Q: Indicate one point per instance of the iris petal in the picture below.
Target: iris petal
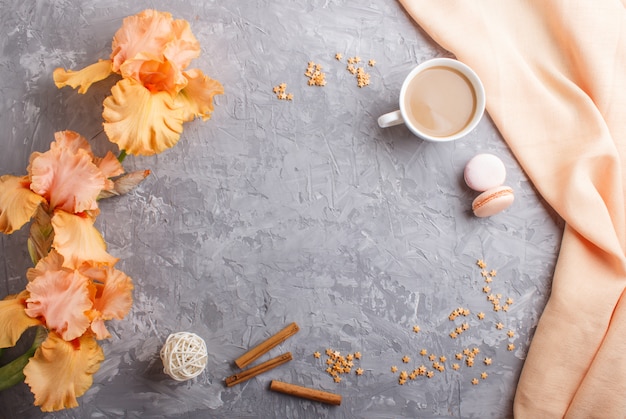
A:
(84, 78)
(61, 371)
(113, 298)
(13, 319)
(61, 299)
(197, 96)
(78, 241)
(68, 180)
(18, 203)
(139, 121)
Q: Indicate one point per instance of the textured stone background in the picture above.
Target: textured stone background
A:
(277, 211)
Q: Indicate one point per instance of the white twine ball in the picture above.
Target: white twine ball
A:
(184, 356)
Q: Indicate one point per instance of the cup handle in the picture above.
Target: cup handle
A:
(390, 119)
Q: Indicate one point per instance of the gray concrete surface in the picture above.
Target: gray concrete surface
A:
(276, 211)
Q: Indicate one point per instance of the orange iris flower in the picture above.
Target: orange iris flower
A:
(147, 108)
(73, 305)
(67, 180)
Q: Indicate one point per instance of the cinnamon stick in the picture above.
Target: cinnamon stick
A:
(254, 353)
(306, 393)
(258, 369)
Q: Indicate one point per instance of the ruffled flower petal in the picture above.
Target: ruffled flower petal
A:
(78, 241)
(153, 36)
(83, 78)
(69, 181)
(158, 76)
(197, 97)
(52, 262)
(183, 47)
(113, 298)
(141, 122)
(72, 141)
(60, 299)
(13, 319)
(110, 167)
(18, 203)
(61, 371)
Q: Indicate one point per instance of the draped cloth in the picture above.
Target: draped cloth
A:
(555, 77)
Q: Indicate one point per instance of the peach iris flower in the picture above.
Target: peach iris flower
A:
(66, 180)
(147, 108)
(73, 305)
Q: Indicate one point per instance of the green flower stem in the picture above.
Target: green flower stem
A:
(122, 156)
(13, 372)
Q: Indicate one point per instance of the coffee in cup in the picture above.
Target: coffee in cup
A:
(440, 100)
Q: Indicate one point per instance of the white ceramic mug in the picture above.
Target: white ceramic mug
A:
(441, 99)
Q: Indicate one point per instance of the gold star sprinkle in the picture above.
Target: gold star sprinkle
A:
(499, 326)
(337, 379)
(371, 63)
(430, 374)
(359, 371)
(456, 366)
(432, 357)
(394, 369)
(442, 358)
(510, 333)
(487, 361)
(406, 359)
(480, 315)
(483, 375)
(357, 355)
(338, 56)
(423, 352)
(510, 347)
(459, 356)
(474, 381)
(509, 301)
(493, 272)
(317, 354)
(416, 329)
(481, 264)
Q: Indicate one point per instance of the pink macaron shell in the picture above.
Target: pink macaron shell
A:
(484, 171)
(493, 201)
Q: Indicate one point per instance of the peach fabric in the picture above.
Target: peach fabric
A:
(555, 76)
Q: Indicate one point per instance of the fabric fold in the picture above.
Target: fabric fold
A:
(555, 77)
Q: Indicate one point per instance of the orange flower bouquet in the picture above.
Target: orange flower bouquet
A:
(74, 287)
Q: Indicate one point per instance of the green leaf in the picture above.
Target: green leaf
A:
(13, 372)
